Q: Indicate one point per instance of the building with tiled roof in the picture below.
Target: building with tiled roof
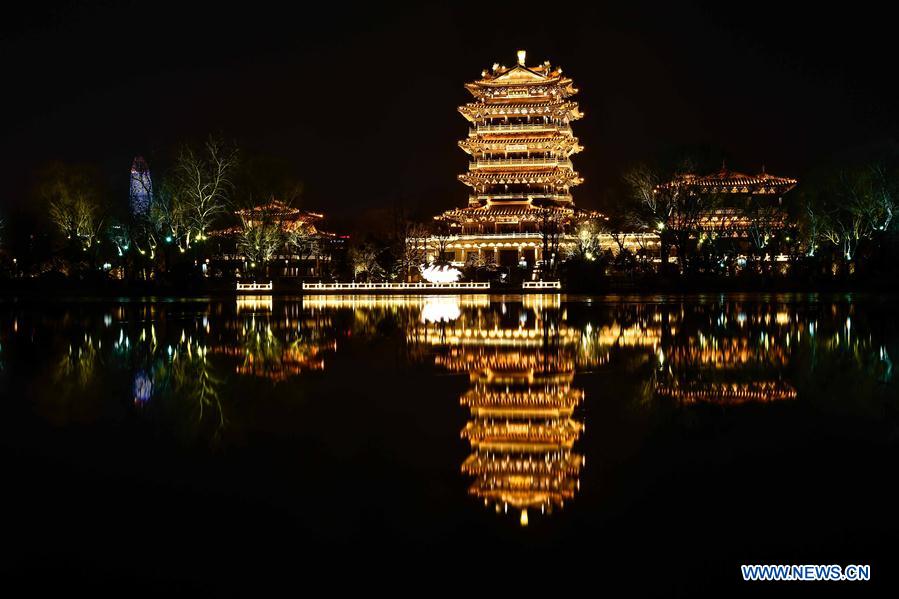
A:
(737, 202)
(520, 209)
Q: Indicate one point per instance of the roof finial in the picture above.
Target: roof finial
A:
(522, 55)
(724, 165)
(763, 169)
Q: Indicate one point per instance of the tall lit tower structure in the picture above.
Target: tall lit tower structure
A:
(520, 172)
(141, 187)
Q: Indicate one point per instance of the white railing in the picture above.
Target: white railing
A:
(254, 286)
(390, 286)
(541, 285)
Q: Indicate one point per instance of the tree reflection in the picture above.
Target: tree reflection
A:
(195, 384)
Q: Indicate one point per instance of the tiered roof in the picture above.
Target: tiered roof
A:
(536, 143)
(521, 138)
(726, 181)
(502, 81)
(522, 425)
(474, 111)
(553, 177)
(289, 217)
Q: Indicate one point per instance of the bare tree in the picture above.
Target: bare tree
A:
(413, 253)
(441, 236)
(670, 207)
(261, 234)
(654, 206)
(168, 216)
(72, 205)
(864, 207)
(304, 242)
(550, 225)
(202, 187)
(813, 224)
(364, 262)
(587, 245)
(765, 221)
(885, 197)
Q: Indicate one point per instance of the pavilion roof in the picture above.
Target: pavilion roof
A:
(280, 210)
(727, 181)
(541, 176)
(474, 110)
(520, 75)
(521, 211)
(499, 210)
(550, 140)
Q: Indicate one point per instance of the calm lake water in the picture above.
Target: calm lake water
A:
(496, 441)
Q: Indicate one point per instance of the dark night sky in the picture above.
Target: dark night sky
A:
(362, 101)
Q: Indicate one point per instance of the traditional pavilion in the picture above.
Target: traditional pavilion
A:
(288, 217)
(520, 210)
(523, 425)
(740, 201)
(287, 263)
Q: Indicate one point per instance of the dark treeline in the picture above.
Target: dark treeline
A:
(86, 227)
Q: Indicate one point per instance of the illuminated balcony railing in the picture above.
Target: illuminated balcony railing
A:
(516, 162)
(514, 127)
(563, 197)
(488, 235)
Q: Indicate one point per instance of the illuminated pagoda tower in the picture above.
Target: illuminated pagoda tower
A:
(520, 172)
(522, 426)
(141, 189)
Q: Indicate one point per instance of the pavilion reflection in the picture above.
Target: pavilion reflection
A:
(522, 425)
(728, 355)
(271, 345)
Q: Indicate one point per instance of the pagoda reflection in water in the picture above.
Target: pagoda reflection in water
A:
(522, 426)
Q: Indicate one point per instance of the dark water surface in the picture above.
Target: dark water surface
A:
(484, 441)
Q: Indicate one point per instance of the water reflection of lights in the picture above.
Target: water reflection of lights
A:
(521, 404)
(441, 309)
(727, 393)
(539, 301)
(362, 302)
(522, 426)
(143, 388)
(254, 303)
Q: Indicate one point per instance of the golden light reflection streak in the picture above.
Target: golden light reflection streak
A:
(521, 404)
(254, 303)
(381, 301)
